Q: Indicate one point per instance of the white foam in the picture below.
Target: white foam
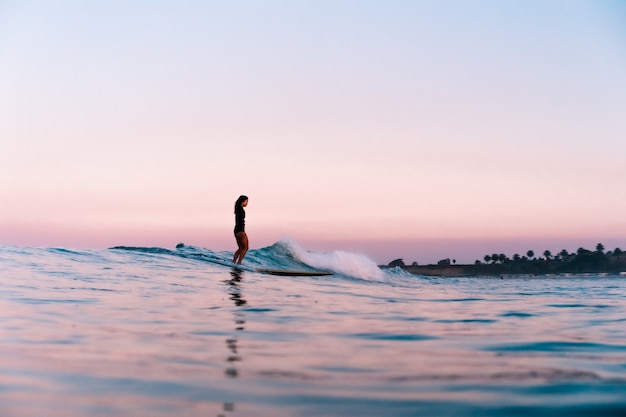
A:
(345, 263)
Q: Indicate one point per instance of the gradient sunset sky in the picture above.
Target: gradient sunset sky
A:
(413, 129)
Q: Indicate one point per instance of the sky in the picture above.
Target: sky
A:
(399, 129)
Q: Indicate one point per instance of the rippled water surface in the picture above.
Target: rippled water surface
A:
(149, 333)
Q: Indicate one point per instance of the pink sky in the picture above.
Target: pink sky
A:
(426, 130)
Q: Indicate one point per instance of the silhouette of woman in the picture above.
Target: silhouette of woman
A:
(240, 229)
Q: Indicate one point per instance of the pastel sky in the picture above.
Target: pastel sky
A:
(413, 129)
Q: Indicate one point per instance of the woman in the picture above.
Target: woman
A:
(240, 229)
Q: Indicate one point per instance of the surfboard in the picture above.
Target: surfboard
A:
(292, 273)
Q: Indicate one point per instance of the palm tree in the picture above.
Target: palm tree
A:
(547, 254)
(530, 254)
(564, 254)
(582, 251)
(487, 258)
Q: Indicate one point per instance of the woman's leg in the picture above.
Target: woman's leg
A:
(236, 256)
(242, 245)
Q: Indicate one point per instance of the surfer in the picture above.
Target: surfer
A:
(240, 229)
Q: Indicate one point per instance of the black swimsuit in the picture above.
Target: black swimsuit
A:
(240, 220)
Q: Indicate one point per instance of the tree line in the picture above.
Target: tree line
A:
(583, 260)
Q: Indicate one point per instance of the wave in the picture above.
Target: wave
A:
(285, 254)
(343, 263)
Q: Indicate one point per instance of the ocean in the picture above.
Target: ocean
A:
(133, 331)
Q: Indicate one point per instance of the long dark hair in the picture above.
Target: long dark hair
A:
(240, 200)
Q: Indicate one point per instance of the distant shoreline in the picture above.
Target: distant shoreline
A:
(582, 262)
(470, 271)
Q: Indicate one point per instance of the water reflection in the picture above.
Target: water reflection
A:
(235, 291)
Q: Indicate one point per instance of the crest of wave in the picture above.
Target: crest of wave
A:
(345, 263)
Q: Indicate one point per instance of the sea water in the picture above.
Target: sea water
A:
(179, 332)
